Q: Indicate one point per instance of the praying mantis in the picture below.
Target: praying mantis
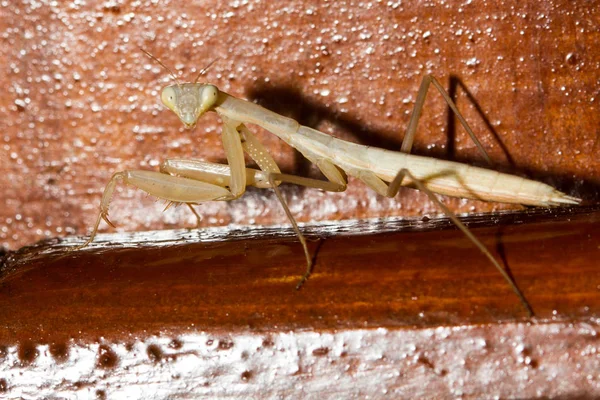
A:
(194, 181)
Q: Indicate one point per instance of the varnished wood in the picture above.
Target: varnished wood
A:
(80, 103)
(205, 296)
(245, 281)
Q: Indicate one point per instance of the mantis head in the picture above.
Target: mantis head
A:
(190, 100)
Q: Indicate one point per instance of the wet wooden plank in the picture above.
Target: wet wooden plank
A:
(395, 299)
(221, 318)
(245, 279)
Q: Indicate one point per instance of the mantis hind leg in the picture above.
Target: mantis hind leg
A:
(421, 186)
(428, 80)
(391, 190)
(377, 184)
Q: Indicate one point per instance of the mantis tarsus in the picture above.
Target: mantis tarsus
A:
(194, 181)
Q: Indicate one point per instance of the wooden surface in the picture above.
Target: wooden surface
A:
(406, 273)
(397, 314)
(81, 101)
(401, 310)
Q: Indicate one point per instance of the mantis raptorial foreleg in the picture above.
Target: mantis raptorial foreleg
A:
(336, 182)
(235, 156)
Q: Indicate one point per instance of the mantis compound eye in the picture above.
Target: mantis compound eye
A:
(208, 97)
(169, 98)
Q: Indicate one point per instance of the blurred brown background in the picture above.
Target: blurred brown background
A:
(81, 101)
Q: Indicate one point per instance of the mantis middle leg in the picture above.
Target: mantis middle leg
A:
(336, 183)
(174, 189)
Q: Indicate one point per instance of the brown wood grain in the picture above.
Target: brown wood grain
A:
(82, 101)
(405, 310)
(246, 280)
(153, 299)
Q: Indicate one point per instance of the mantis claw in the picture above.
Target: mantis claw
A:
(105, 218)
(169, 204)
(302, 280)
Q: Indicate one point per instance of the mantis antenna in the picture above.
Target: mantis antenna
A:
(167, 68)
(203, 71)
